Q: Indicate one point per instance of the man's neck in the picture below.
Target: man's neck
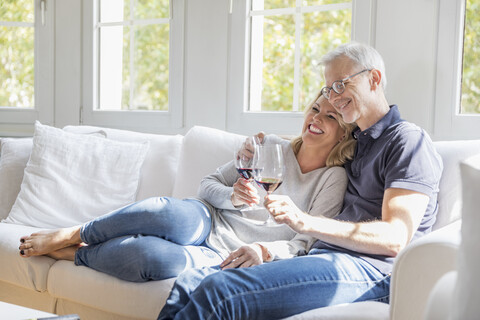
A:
(375, 112)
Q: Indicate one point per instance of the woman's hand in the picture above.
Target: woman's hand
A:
(244, 257)
(244, 193)
(285, 211)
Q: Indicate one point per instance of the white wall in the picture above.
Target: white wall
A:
(405, 34)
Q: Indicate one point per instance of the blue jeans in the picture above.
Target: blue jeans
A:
(275, 290)
(153, 239)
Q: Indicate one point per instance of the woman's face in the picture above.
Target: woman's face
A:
(321, 125)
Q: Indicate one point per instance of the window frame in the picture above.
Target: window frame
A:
(449, 123)
(19, 121)
(138, 120)
(288, 123)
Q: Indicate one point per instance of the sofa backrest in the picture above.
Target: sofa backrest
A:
(450, 196)
(203, 150)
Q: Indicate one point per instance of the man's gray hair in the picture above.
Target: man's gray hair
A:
(361, 54)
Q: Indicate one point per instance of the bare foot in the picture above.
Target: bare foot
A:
(67, 253)
(44, 242)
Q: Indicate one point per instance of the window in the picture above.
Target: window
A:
(287, 40)
(26, 63)
(275, 49)
(457, 114)
(133, 63)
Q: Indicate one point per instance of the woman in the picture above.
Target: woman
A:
(158, 238)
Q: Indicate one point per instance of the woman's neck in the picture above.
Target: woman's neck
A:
(311, 158)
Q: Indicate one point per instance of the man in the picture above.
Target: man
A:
(391, 199)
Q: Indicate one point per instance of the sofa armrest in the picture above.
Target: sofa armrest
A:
(417, 269)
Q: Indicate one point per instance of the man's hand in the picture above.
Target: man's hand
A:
(285, 211)
(244, 257)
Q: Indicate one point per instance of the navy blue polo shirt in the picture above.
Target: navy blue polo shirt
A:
(392, 153)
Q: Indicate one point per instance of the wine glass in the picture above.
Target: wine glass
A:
(244, 153)
(268, 170)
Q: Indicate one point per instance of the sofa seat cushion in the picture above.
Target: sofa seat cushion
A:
(159, 169)
(98, 290)
(30, 273)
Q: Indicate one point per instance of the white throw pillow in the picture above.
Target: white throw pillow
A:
(203, 150)
(13, 160)
(160, 166)
(72, 178)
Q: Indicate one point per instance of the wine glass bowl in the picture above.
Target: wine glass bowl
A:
(268, 170)
(244, 153)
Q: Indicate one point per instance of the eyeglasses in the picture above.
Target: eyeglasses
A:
(339, 85)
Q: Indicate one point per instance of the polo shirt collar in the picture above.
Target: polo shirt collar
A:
(375, 131)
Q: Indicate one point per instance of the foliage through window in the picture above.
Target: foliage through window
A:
(17, 32)
(288, 38)
(471, 59)
(133, 42)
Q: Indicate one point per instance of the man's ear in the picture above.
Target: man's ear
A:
(375, 79)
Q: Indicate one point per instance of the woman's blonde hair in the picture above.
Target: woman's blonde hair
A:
(342, 151)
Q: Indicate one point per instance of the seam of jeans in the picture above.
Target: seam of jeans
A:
(281, 286)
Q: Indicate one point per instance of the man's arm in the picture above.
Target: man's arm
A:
(402, 212)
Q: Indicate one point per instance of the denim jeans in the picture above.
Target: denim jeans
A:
(275, 290)
(153, 239)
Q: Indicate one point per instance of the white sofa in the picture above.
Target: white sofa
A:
(174, 166)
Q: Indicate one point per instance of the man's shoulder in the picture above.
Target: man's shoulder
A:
(406, 131)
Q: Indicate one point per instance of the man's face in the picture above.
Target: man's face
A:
(350, 103)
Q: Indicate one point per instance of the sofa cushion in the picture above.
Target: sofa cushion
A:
(72, 178)
(203, 150)
(98, 290)
(160, 166)
(13, 160)
(449, 196)
(28, 273)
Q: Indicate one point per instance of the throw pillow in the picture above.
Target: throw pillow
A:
(72, 178)
(13, 160)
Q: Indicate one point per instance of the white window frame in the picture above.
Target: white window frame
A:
(449, 123)
(363, 13)
(145, 121)
(18, 121)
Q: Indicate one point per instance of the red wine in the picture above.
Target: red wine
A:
(245, 172)
(269, 184)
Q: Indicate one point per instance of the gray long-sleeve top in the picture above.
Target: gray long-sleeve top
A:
(319, 192)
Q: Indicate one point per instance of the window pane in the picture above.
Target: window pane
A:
(114, 72)
(151, 66)
(278, 62)
(322, 32)
(18, 10)
(322, 2)
(17, 54)
(272, 4)
(134, 56)
(114, 10)
(148, 9)
(471, 59)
